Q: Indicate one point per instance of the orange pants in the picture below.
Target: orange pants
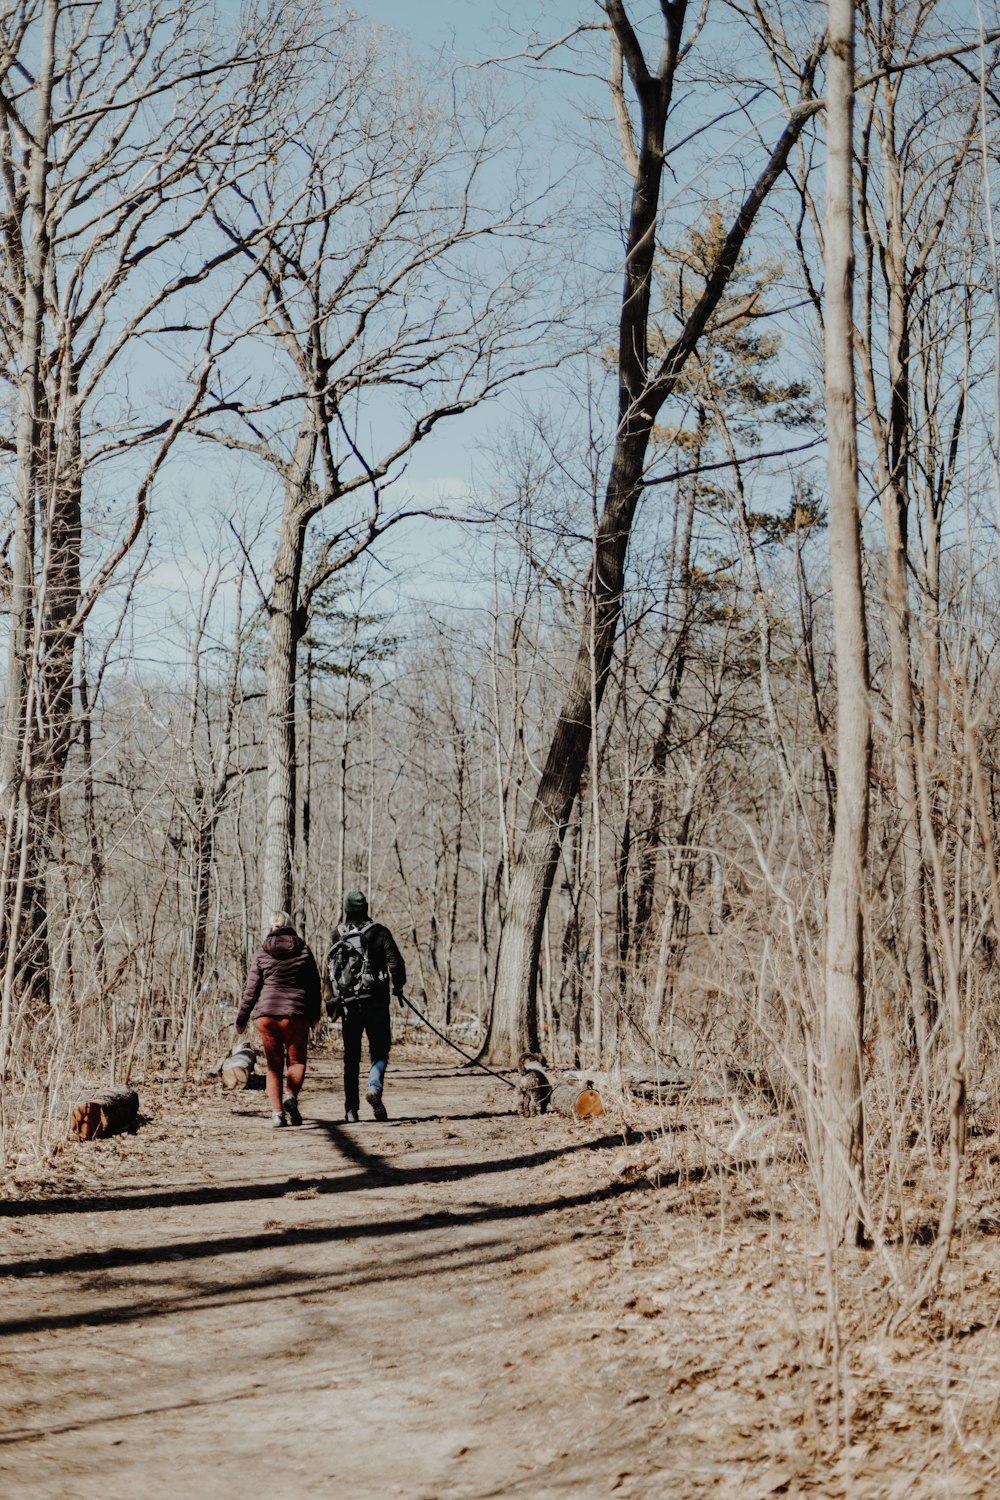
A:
(283, 1037)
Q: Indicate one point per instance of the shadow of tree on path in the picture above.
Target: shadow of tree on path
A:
(287, 1286)
(237, 1244)
(374, 1171)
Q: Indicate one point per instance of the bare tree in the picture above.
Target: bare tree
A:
(392, 297)
(910, 190)
(645, 382)
(212, 748)
(116, 133)
(843, 1158)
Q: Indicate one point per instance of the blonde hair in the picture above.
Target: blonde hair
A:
(281, 919)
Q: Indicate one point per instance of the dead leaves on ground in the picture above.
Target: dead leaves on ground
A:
(787, 1377)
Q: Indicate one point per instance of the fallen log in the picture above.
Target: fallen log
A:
(707, 1085)
(105, 1113)
(238, 1067)
(570, 1097)
(665, 1085)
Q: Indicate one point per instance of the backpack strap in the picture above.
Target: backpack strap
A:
(347, 936)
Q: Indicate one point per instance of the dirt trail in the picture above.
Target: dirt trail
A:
(461, 1304)
(360, 1309)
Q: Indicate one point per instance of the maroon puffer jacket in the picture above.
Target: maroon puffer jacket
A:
(283, 981)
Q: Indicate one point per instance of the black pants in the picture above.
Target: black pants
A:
(365, 1018)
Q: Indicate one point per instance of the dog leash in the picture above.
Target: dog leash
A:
(455, 1047)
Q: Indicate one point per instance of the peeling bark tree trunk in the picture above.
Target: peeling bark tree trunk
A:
(843, 1122)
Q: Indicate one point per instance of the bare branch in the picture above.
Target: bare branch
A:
(625, 134)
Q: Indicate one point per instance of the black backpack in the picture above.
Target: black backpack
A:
(350, 972)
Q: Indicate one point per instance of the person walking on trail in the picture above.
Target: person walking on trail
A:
(363, 959)
(284, 986)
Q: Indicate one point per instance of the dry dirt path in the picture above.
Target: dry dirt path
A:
(462, 1304)
(212, 1307)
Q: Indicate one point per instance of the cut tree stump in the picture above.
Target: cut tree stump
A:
(570, 1097)
(105, 1113)
(238, 1067)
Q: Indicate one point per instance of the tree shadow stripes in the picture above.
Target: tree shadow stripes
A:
(270, 1288)
(238, 1244)
(373, 1172)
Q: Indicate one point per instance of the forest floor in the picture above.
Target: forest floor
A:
(464, 1303)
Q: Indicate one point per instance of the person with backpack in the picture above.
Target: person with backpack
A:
(362, 961)
(284, 987)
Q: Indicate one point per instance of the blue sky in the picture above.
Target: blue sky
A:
(426, 560)
(423, 560)
(471, 27)
(434, 20)
(449, 465)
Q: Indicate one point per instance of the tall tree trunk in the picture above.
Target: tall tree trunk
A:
(651, 840)
(514, 1021)
(305, 811)
(284, 636)
(597, 939)
(58, 630)
(843, 1132)
(22, 907)
(514, 1025)
(892, 457)
(95, 853)
(209, 802)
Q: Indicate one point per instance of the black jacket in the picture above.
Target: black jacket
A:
(384, 958)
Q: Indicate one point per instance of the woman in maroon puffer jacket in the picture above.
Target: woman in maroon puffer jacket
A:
(284, 986)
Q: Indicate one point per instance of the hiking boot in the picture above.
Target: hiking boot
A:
(277, 1120)
(292, 1111)
(374, 1098)
(350, 1117)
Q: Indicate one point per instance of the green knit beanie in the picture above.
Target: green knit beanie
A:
(355, 906)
